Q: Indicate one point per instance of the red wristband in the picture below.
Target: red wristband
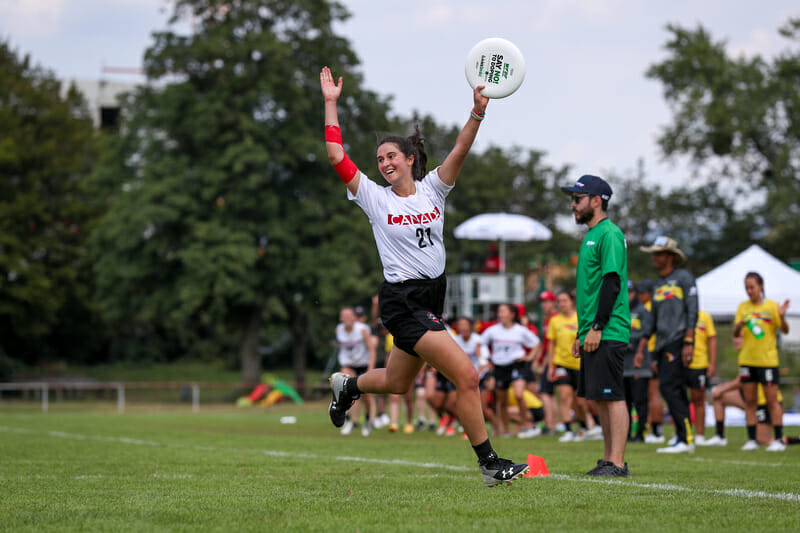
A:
(346, 169)
(333, 134)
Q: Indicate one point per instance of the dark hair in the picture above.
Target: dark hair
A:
(603, 202)
(757, 277)
(514, 311)
(568, 293)
(468, 319)
(411, 145)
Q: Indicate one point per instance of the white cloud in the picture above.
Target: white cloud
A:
(32, 17)
(759, 42)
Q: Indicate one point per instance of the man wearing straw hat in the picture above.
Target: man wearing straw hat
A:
(672, 319)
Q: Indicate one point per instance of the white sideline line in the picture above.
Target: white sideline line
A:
(737, 493)
(740, 493)
(742, 463)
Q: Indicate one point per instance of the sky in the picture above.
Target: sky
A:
(585, 100)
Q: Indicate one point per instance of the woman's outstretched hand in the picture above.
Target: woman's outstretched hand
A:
(330, 90)
(480, 101)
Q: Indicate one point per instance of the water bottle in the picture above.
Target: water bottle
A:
(755, 329)
(634, 421)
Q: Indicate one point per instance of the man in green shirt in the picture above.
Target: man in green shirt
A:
(604, 319)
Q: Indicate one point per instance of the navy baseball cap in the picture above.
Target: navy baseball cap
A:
(591, 185)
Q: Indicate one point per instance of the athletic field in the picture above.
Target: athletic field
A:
(242, 470)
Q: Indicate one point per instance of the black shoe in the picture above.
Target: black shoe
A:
(638, 439)
(601, 464)
(341, 401)
(612, 470)
(497, 471)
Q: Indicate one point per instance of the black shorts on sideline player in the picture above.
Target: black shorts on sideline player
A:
(505, 375)
(760, 374)
(409, 309)
(601, 372)
(696, 378)
(566, 376)
(443, 384)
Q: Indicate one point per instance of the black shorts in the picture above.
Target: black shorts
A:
(485, 377)
(537, 413)
(527, 373)
(601, 372)
(545, 385)
(696, 378)
(760, 374)
(566, 376)
(505, 375)
(359, 370)
(443, 384)
(762, 415)
(409, 309)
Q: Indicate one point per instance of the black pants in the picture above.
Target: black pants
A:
(636, 395)
(672, 379)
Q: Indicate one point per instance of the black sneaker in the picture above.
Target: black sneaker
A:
(601, 464)
(341, 401)
(497, 471)
(612, 470)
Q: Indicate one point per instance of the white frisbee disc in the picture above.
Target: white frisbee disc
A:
(496, 63)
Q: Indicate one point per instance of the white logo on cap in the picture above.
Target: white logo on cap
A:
(578, 184)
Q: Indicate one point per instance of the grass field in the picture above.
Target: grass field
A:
(242, 470)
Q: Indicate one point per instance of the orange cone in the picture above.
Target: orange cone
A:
(537, 467)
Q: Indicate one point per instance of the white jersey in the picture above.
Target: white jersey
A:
(353, 351)
(508, 344)
(470, 347)
(409, 232)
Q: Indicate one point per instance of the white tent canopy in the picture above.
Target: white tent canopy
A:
(502, 227)
(722, 290)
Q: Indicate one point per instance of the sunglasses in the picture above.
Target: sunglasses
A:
(576, 198)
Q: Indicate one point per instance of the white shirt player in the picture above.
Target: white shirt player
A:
(353, 351)
(409, 232)
(470, 347)
(508, 344)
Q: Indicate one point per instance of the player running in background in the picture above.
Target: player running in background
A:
(512, 347)
(356, 357)
(407, 219)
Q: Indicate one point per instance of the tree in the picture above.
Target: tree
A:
(47, 145)
(739, 121)
(223, 214)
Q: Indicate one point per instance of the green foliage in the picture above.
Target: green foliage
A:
(47, 146)
(222, 205)
(739, 121)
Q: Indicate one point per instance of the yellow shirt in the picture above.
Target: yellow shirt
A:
(563, 331)
(761, 352)
(703, 331)
(531, 401)
(388, 343)
(762, 398)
